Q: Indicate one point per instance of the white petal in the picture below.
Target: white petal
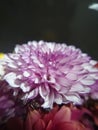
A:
(2, 72)
(93, 62)
(26, 74)
(86, 66)
(93, 70)
(51, 46)
(46, 104)
(87, 81)
(72, 76)
(24, 87)
(77, 68)
(36, 80)
(62, 81)
(48, 101)
(74, 98)
(79, 88)
(57, 87)
(34, 43)
(58, 99)
(33, 93)
(12, 65)
(94, 76)
(19, 63)
(35, 60)
(11, 78)
(44, 91)
(89, 67)
(14, 56)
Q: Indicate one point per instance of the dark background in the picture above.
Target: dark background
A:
(68, 21)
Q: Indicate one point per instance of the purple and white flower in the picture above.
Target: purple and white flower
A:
(56, 72)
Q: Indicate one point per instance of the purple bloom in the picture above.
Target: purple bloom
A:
(56, 72)
(10, 105)
(7, 104)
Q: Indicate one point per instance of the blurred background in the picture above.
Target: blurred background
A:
(68, 21)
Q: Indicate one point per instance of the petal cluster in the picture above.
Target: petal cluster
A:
(62, 118)
(56, 72)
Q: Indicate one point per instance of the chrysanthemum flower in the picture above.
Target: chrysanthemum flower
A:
(56, 72)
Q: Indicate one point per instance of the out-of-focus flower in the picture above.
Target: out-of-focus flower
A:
(92, 105)
(1, 55)
(62, 118)
(6, 103)
(56, 72)
(93, 6)
(9, 104)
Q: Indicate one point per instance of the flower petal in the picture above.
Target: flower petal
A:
(11, 78)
